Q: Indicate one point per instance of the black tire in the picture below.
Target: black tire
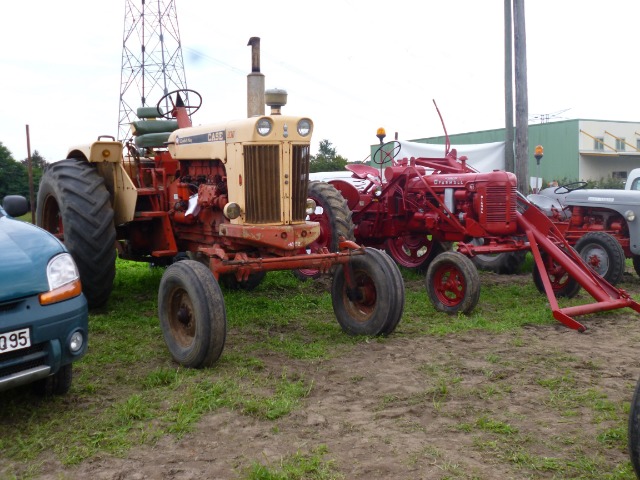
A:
(395, 276)
(74, 205)
(633, 432)
(413, 251)
(334, 217)
(604, 254)
(230, 282)
(636, 263)
(453, 283)
(377, 304)
(56, 384)
(507, 263)
(192, 314)
(562, 283)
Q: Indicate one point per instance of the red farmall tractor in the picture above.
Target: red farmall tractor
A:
(228, 200)
(419, 208)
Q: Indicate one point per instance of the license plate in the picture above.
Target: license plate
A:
(14, 340)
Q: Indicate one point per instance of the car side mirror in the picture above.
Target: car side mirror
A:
(15, 205)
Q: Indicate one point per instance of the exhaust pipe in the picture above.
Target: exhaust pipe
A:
(255, 82)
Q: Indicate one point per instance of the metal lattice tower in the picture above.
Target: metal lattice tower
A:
(151, 58)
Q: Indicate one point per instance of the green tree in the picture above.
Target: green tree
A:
(327, 160)
(13, 175)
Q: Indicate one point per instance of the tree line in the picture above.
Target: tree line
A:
(14, 174)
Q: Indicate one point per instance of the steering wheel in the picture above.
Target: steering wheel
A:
(387, 151)
(570, 187)
(191, 109)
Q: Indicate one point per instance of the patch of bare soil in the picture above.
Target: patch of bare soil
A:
(472, 405)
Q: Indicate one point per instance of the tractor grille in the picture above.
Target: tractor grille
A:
(299, 180)
(262, 176)
(501, 213)
(264, 180)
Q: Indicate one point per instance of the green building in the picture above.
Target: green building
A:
(573, 149)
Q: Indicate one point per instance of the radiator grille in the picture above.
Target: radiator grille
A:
(299, 180)
(262, 177)
(501, 203)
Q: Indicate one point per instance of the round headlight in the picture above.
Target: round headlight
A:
(630, 215)
(76, 342)
(264, 126)
(311, 207)
(304, 127)
(231, 210)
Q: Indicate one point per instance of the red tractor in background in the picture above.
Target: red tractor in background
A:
(417, 208)
(228, 200)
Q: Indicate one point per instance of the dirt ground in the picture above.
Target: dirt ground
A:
(472, 405)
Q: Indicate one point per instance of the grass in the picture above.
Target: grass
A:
(127, 391)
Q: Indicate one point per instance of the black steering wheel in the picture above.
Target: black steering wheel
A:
(570, 187)
(385, 152)
(191, 109)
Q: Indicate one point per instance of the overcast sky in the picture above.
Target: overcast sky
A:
(351, 65)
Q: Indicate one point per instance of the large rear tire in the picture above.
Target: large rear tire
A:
(453, 283)
(74, 205)
(374, 307)
(192, 314)
(413, 251)
(604, 254)
(562, 284)
(334, 217)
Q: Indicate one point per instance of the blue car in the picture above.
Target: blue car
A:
(43, 312)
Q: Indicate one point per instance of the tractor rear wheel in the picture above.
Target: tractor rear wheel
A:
(453, 283)
(230, 282)
(633, 433)
(604, 254)
(75, 206)
(375, 303)
(413, 251)
(192, 314)
(562, 284)
(334, 217)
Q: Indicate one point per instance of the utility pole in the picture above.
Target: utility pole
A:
(522, 100)
(508, 88)
(152, 64)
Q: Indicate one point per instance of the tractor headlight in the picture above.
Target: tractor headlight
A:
(304, 127)
(630, 215)
(264, 126)
(311, 207)
(231, 210)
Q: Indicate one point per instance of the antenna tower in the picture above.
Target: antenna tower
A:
(152, 63)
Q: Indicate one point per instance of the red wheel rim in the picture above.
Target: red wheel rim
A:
(410, 251)
(449, 285)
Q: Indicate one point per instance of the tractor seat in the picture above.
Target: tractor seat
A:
(362, 171)
(151, 130)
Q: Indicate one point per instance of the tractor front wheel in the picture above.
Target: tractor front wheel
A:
(604, 254)
(368, 299)
(75, 206)
(192, 314)
(453, 283)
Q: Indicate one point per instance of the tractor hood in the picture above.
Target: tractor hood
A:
(611, 198)
(25, 251)
(603, 197)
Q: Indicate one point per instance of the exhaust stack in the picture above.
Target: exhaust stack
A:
(255, 82)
